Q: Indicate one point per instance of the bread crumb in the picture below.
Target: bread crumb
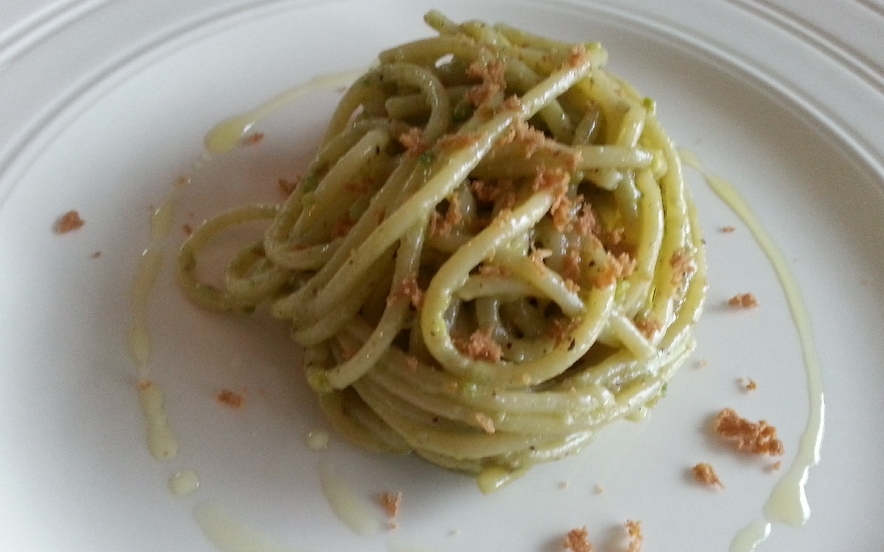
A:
(253, 139)
(748, 384)
(408, 289)
(682, 264)
(775, 466)
(702, 363)
(586, 223)
(616, 268)
(480, 346)
(647, 326)
(577, 55)
(442, 226)
(485, 422)
(413, 141)
(391, 502)
(727, 229)
(453, 142)
(598, 489)
(492, 75)
(636, 538)
(288, 186)
(704, 473)
(411, 363)
(577, 540)
(757, 438)
(499, 191)
(231, 398)
(743, 301)
(68, 222)
(564, 484)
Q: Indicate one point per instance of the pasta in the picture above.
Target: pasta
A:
(492, 256)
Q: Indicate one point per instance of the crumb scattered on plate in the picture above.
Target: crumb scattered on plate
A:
(253, 139)
(577, 540)
(636, 538)
(231, 398)
(68, 222)
(391, 502)
(704, 473)
(748, 384)
(743, 301)
(757, 438)
(727, 229)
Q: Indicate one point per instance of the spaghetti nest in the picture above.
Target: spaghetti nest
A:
(492, 255)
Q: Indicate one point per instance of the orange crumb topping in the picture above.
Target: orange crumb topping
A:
(571, 265)
(500, 191)
(647, 327)
(757, 438)
(408, 289)
(452, 142)
(413, 141)
(391, 502)
(705, 474)
(636, 538)
(68, 222)
(288, 186)
(492, 75)
(615, 268)
(486, 423)
(480, 346)
(682, 264)
(743, 301)
(253, 139)
(411, 363)
(577, 55)
(577, 540)
(586, 223)
(231, 398)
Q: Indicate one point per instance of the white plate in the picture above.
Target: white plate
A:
(106, 106)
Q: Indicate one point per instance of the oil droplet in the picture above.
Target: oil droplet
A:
(317, 440)
(351, 508)
(230, 133)
(749, 537)
(229, 534)
(160, 441)
(184, 482)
